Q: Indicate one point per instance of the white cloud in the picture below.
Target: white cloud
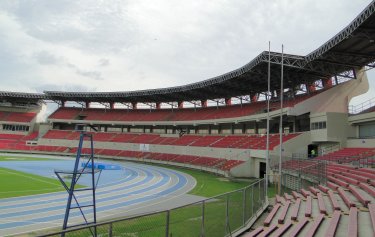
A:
(117, 45)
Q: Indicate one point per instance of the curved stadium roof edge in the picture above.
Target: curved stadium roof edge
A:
(351, 48)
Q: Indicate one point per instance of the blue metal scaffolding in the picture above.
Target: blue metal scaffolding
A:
(88, 168)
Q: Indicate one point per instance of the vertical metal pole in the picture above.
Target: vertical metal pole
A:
(244, 206)
(268, 117)
(167, 225)
(227, 215)
(110, 230)
(281, 114)
(72, 184)
(252, 200)
(259, 192)
(202, 227)
(93, 180)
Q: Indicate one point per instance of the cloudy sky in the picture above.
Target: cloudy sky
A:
(123, 45)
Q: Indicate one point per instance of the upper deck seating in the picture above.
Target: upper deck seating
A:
(186, 114)
(230, 141)
(20, 117)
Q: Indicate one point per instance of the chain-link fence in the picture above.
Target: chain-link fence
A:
(222, 215)
(299, 172)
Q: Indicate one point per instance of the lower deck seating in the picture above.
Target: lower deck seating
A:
(332, 210)
(257, 142)
(347, 155)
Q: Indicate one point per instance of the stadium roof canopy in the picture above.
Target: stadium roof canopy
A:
(21, 96)
(350, 49)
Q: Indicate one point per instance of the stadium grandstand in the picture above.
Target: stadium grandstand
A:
(219, 125)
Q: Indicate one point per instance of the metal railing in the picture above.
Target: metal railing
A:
(222, 215)
(356, 109)
(299, 172)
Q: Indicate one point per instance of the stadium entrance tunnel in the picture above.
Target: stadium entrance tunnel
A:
(312, 150)
(262, 169)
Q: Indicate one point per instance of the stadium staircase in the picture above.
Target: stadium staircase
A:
(345, 207)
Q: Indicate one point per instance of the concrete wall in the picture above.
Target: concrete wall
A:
(335, 99)
(336, 130)
(369, 143)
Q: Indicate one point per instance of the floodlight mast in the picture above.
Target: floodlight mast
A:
(281, 115)
(268, 118)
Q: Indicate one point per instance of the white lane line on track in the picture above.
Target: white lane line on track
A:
(60, 195)
(62, 200)
(188, 177)
(110, 215)
(157, 177)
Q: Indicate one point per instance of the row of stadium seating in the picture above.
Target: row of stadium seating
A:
(347, 155)
(4, 137)
(332, 210)
(229, 141)
(214, 163)
(188, 114)
(21, 117)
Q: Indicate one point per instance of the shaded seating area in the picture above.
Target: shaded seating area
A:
(182, 114)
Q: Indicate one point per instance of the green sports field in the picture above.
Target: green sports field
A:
(15, 184)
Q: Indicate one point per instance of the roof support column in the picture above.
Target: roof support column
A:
(254, 98)
(134, 105)
(63, 102)
(312, 87)
(87, 104)
(180, 104)
(158, 105)
(327, 83)
(204, 103)
(228, 101)
(111, 105)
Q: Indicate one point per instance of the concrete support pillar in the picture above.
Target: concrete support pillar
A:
(254, 98)
(327, 83)
(228, 101)
(180, 104)
(204, 103)
(111, 105)
(256, 128)
(134, 105)
(158, 105)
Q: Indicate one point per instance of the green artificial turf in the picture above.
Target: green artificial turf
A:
(15, 183)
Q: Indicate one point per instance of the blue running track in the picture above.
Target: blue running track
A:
(130, 190)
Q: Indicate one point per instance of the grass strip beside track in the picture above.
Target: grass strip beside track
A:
(21, 158)
(15, 184)
(209, 185)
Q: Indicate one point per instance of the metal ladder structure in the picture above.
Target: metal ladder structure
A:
(88, 168)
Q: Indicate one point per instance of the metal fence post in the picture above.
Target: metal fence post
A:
(259, 191)
(167, 225)
(244, 206)
(110, 230)
(227, 216)
(202, 227)
(252, 200)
